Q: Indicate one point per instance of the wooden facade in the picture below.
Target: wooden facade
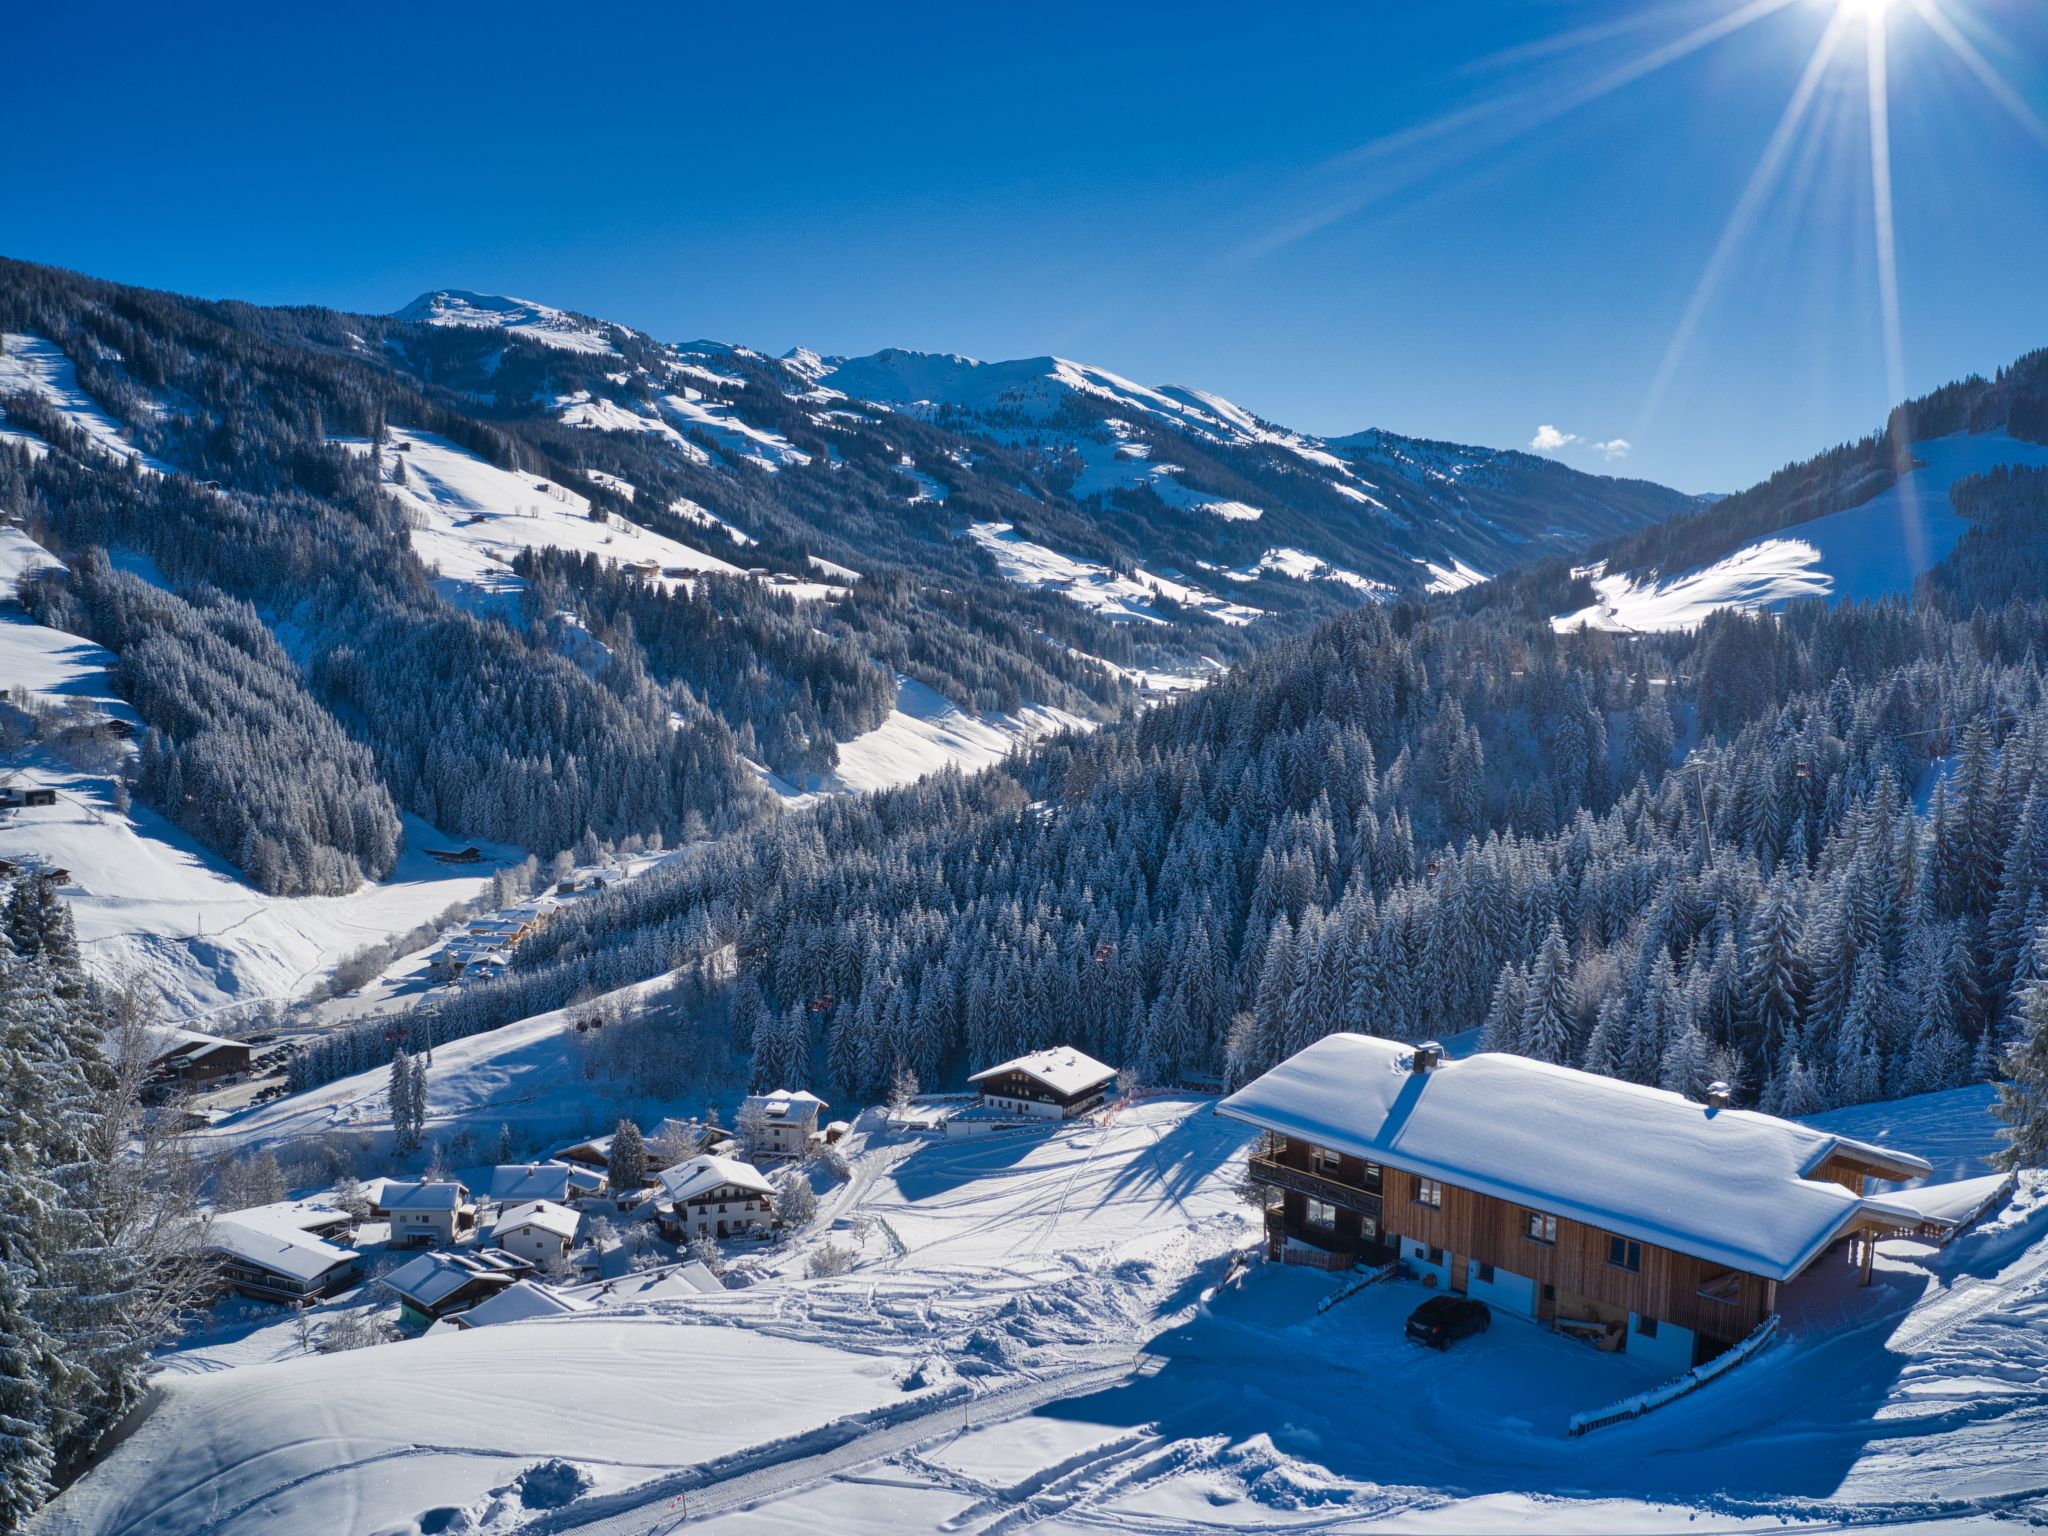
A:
(1580, 1275)
(1023, 1086)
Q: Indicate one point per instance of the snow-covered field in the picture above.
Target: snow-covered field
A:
(924, 733)
(1096, 586)
(31, 365)
(1046, 1329)
(1864, 552)
(470, 519)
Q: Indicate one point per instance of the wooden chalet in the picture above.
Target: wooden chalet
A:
(1636, 1217)
(291, 1252)
(1054, 1084)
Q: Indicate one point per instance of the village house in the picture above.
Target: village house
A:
(563, 1183)
(290, 1252)
(712, 1197)
(435, 1285)
(1629, 1215)
(1054, 1084)
(520, 1302)
(542, 1232)
(779, 1124)
(427, 1212)
(594, 1154)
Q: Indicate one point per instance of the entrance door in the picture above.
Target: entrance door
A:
(1460, 1274)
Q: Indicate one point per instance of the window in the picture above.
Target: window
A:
(1321, 1214)
(1541, 1228)
(1486, 1274)
(1624, 1253)
(1322, 1160)
(1436, 1255)
(1372, 1176)
(1368, 1228)
(1429, 1192)
(1646, 1327)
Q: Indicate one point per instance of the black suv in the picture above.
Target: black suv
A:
(1441, 1319)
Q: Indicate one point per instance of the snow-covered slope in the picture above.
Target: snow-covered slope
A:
(1865, 552)
(470, 518)
(515, 317)
(30, 365)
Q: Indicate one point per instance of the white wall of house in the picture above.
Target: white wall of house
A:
(1671, 1348)
(1010, 1106)
(423, 1226)
(1506, 1292)
(738, 1215)
(532, 1243)
(1417, 1254)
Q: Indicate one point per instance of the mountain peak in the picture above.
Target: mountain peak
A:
(537, 322)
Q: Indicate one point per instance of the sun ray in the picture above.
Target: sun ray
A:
(1743, 217)
(1986, 72)
(1878, 92)
(1502, 119)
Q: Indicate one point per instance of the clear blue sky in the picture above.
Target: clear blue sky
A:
(1371, 214)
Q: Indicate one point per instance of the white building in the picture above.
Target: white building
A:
(541, 1232)
(424, 1213)
(779, 1124)
(713, 1197)
(1054, 1084)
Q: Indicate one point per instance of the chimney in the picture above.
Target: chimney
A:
(1427, 1055)
(1718, 1095)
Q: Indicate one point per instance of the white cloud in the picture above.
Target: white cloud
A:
(1615, 447)
(1549, 440)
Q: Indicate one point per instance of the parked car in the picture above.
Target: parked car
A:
(1442, 1319)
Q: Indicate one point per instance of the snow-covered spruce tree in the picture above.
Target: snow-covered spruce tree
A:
(77, 1311)
(2023, 1094)
(796, 1203)
(627, 1165)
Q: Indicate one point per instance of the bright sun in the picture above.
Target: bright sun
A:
(1867, 10)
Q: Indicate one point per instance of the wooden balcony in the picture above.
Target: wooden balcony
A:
(1270, 1170)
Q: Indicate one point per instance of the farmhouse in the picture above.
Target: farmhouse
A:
(780, 1124)
(712, 1197)
(541, 1233)
(282, 1253)
(427, 1212)
(524, 1183)
(1636, 1217)
(1054, 1084)
(435, 1285)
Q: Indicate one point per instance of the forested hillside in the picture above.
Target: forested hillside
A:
(537, 578)
(1804, 855)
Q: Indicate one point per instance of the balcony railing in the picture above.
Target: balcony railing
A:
(1355, 1197)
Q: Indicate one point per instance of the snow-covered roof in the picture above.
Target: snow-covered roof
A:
(163, 1040)
(288, 1216)
(544, 1214)
(782, 1103)
(1953, 1204)
(521, 1302)
(1061, 1068)
(425, 1195)
(277, 1248)
(590, 1147)
(1725, 1185)
(432, 1278)
(688, 1180)
(519, 1183)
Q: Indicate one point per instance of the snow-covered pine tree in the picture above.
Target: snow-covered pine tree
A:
(627, 1165)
